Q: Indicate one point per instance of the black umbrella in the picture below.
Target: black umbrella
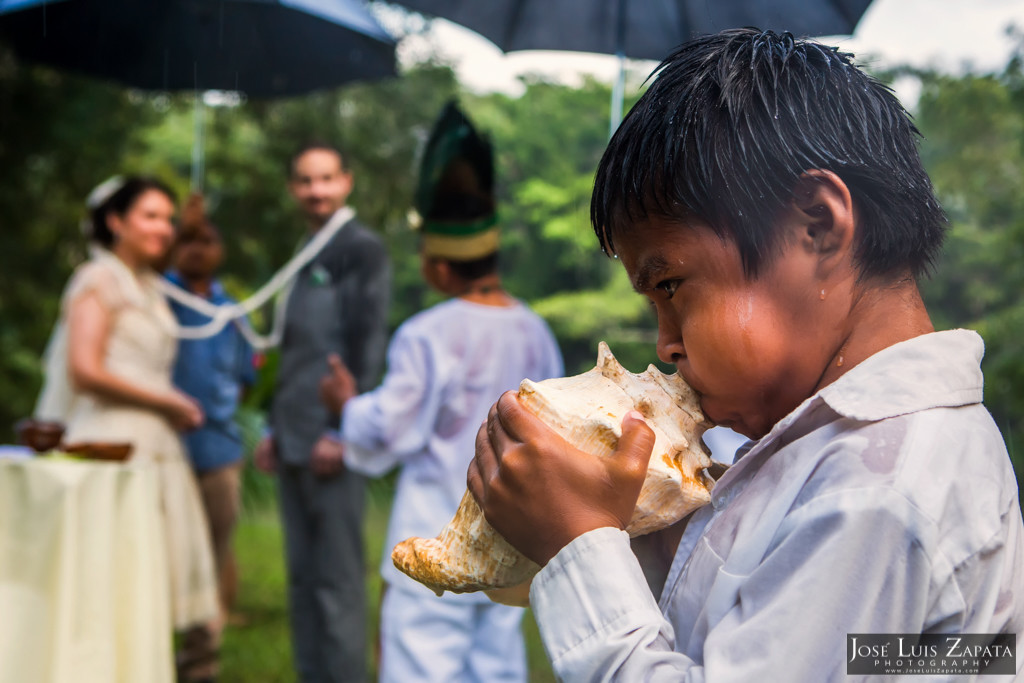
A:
(265, 48)
(640, 29)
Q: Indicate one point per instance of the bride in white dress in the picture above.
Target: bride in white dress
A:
(120, 348)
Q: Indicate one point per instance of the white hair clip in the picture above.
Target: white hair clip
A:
(97, 198)
(104, 191)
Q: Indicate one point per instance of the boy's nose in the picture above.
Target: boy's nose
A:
(670, 344)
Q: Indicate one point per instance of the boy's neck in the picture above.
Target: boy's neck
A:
(882, 316)
(201, 285)
(486, 291)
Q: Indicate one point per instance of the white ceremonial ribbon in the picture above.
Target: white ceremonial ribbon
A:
(283, 281)
(56, 397)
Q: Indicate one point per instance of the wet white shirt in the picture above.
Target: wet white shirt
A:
(885, 503)
(446, 367)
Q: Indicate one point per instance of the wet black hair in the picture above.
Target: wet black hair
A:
(317, 145)
(730, 123)
(120, 202)
(474, 269)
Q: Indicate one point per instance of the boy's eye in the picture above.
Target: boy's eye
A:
(669, 287)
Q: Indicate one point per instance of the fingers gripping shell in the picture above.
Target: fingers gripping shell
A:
(587, 411)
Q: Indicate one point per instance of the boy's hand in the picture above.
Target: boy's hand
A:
(265, 455)
(337, 386)
(540, 493)
(193, 215)
(183, 411)
(328, 457)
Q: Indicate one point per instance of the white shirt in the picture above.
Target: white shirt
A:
(723, 443)
(446, 367)
(885, 503)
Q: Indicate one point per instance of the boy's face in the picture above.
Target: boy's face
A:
(754, 349)
(436, 273)
(199, 252)
(428, 270)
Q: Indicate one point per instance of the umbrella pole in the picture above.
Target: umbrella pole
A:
(619, 88)
(618, 91)
(198, 144)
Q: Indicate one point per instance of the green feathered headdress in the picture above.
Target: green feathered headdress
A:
(455, 193)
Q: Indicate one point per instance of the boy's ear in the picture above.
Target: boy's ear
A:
(114, 222)
(824, 214)
(444, 273)
(438, 272)
(349, 181)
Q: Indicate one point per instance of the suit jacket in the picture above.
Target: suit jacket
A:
(339, 304)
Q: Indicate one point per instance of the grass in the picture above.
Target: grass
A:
(259, 651)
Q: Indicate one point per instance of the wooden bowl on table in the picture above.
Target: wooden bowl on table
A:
(39, 435)
(96, 450)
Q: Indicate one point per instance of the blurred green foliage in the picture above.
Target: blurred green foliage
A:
(59, 136)
(974, 152)
(62, 135)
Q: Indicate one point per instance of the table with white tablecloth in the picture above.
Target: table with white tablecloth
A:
(83, 574)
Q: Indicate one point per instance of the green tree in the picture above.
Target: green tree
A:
(380, 127)
(548, 143)
(59, 136)
(974, 151)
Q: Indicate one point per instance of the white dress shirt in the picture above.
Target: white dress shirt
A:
(885, 503)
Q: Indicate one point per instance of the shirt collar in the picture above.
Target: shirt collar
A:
(217, 291)
(937, 370)
(940, 369)
(174, 277)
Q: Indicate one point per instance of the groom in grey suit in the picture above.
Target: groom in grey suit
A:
(338, 305)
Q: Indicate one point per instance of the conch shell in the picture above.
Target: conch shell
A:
(587, 411)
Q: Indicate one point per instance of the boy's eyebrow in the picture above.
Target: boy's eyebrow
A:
(648, 271)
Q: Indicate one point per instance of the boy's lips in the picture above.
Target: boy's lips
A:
(704, 400)
(707, 413)
(712, 414)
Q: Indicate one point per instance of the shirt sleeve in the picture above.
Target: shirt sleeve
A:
(96, 279)
(383, 427)
(598, 618)
(834, 562)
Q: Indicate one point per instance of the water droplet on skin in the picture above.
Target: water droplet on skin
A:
(839, 363)
(822, 295)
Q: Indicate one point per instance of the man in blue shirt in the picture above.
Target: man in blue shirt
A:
(216, 371)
